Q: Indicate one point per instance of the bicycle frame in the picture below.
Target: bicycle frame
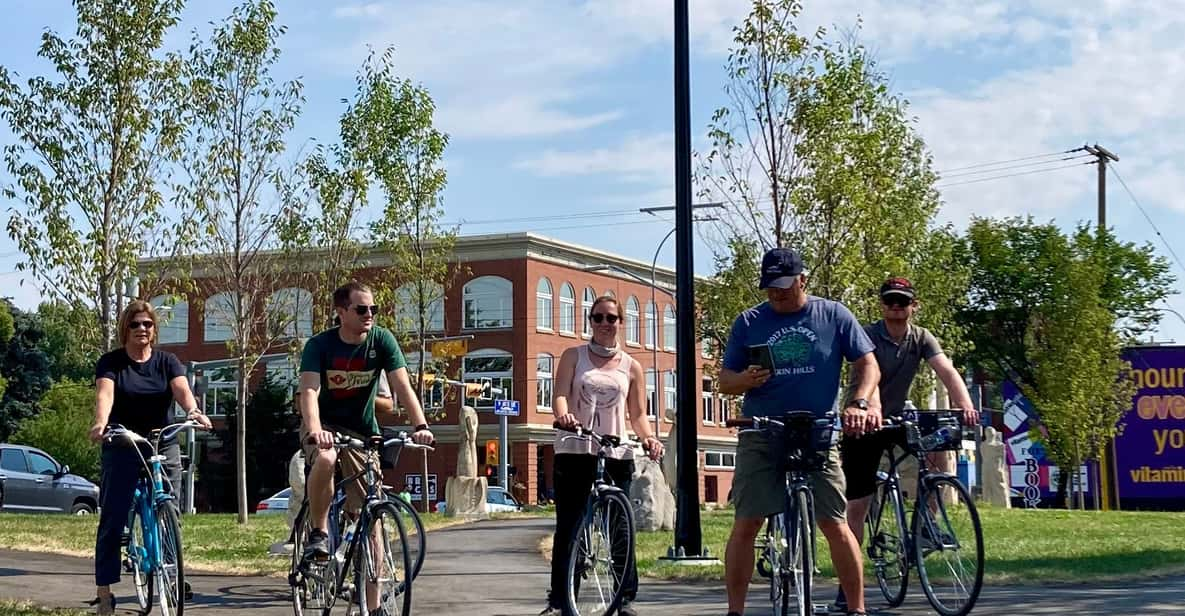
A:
(926, 476)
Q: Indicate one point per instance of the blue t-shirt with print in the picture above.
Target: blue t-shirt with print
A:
(808, 349)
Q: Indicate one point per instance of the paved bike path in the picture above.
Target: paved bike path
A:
(493, 568)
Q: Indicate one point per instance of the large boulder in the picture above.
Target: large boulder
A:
(465, 496)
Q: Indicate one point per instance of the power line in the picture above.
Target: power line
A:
(1031, 165)
(1012, 175)
(1164, 241)
(1011, 160)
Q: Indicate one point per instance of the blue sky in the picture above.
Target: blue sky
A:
(558, 109)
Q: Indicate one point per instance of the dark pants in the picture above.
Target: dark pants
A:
(573, 476)
(121, 469)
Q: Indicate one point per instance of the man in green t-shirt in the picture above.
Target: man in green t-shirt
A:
(339, 374)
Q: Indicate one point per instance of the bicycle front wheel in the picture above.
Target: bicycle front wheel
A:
(887, 549)
(601, 556)
(417, 542)
(948, 546)
(773, 561)
(799, 554)
(384, 564)
(170, 570)
(137, 559)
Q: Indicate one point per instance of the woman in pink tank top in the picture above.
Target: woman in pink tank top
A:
(600, 387)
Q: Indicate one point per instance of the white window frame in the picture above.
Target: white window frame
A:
(725, 460)
(651, 392)
(503, 379)
(726, 405)
(567, 309)
(297, 316)
(173, 313)
(406, 319)
(544, 305)
(708, 406)
(499, 292)
(215, 385)
(651, 324)
(631, 321)
(218, 306)
(544, 381)
(590, 296)
(669, 328)
(670, 392)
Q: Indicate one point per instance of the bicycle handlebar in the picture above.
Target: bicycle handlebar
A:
(605, 440)
(345, 441)
(117, 430)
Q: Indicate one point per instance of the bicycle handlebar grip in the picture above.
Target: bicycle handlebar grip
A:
(557, 426)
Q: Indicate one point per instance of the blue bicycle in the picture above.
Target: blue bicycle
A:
(154, 530)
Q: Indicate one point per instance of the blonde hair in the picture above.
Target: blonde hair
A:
(125, 320)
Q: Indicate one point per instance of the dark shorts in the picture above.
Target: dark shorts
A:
(350, 462)
(757, 484)
(862, 458)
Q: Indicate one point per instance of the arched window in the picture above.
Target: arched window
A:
(489, 303)
(567, 309)
(494, 364)
(174, 319)
(414, 296)
(651, 324)
(544, 365)
(220, 317)
(290, 313)
(668, 328)
(631, 320)
(590, 296)
(543, 303)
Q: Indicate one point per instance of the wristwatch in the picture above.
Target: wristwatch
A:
(859, 403)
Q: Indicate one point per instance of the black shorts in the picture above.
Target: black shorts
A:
(861, 458)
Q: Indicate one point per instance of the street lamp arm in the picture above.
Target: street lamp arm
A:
(622, 270)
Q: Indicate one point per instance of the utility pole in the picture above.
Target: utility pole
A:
(1103, 156)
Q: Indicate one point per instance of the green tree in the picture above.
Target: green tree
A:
(814, 151)
(67, 411)
(72, 356)
(403, 151)
(728, 293)
(25, 370)
(93, 144)
(234, 159)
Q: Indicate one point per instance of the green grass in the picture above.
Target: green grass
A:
(213, 542)
(24, 608)
(1020, 546)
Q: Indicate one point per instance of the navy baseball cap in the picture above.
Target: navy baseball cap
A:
(779, 268)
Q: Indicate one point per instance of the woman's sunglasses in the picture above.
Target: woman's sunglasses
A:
(599, 317)
(363, 310)
(140, 324)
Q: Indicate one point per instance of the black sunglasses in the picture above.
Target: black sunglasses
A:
(363, 310)
(140, 324)
(598, 317)
(899, 301)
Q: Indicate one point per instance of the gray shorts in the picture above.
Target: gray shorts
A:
(757, 490)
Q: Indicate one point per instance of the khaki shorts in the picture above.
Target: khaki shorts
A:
(350, 462)
(757, 490)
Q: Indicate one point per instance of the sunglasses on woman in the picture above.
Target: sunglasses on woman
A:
(364, 310)
(140, 324)
(599, 317)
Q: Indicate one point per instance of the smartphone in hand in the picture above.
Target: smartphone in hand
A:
(761, 356)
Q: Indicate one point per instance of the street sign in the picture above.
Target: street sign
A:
(413, 483)
(447, 349)
(508, 408)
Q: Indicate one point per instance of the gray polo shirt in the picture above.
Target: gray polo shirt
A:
(899, 362)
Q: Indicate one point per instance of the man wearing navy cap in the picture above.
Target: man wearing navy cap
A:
(808, 339)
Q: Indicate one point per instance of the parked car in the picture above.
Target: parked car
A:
(34, 482)
(498, 500)
(276, 503)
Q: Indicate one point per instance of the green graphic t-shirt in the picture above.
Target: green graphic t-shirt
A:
(349, 376)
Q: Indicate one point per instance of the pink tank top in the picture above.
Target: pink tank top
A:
(599, 401)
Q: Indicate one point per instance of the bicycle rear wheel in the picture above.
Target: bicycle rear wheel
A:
(417, 543)
(602, 556)
(383, 562)
(948, 546)
(774, 560)
(137, 559)
(798, 555)
(170, 569)
(887, 549)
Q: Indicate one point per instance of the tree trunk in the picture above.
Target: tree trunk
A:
(1062, 501)
(241, 442)
(105, 315)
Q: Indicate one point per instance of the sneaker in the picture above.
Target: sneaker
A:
(551, 610)
(318, 545)
(382, 611)
(104, 608)
(627, 609)
(841, 604)
(188, 591)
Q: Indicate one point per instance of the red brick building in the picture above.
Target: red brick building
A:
(523, 298)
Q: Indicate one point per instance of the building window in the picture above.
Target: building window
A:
(669, 330)
(174, 319)
(413, 297)
(221, 387)
(669, 392)
(493, 364)
(433, 398)
(706, 348)
(220, 317)
(290, 313)
(719, 459)
(590, 296)
(651, 393)
(489, 303)
(708, 402)
(609, 293)
(567, 309)
(725, 410)
(543, 381)
(631, 320)
(543, 305)
(282, 373)
(651, 325)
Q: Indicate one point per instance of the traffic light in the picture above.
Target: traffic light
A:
(492, 452)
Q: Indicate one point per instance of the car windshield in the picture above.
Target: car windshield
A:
(285, 493)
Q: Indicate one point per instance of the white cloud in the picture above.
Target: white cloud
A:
(638, 158)
(358, 10)
(517, 115)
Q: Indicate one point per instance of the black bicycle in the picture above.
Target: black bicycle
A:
(801, 441)
(944, 540)
(602, 549)
(370, 552)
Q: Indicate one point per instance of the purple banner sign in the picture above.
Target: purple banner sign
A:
(1150, 443)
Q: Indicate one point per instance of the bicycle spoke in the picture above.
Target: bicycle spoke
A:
(602, 550)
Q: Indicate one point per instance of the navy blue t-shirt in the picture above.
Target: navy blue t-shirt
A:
(143, 398)
(808, 349)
